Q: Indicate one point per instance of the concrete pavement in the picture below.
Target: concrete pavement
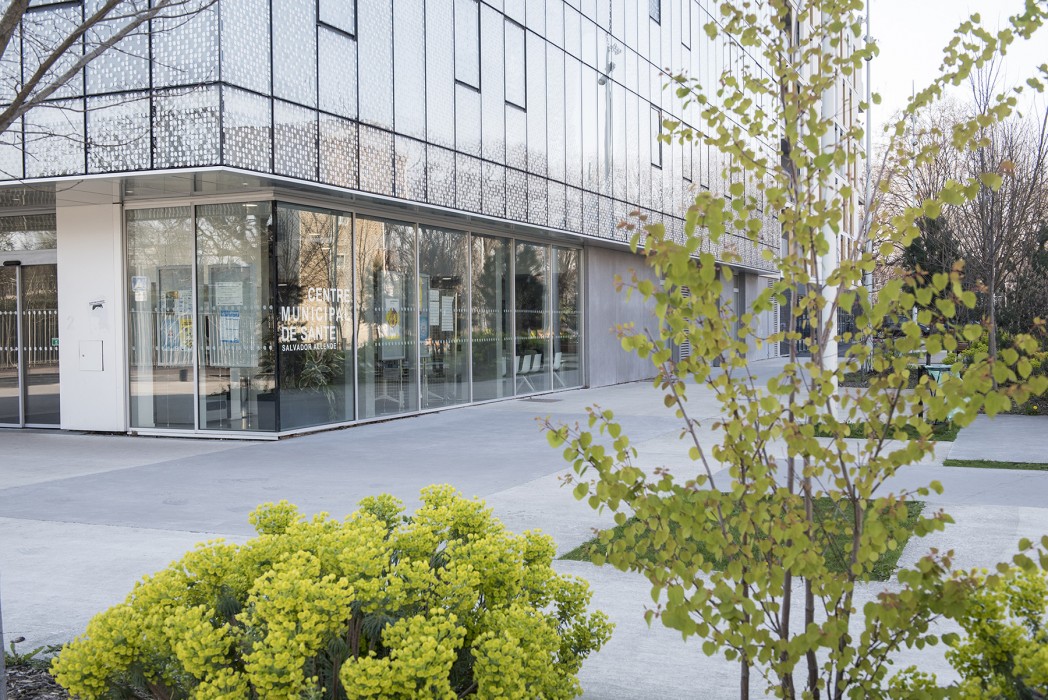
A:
(83, 516)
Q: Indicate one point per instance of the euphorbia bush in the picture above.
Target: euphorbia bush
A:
(441, 604)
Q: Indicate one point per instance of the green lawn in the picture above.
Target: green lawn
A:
(989, 464)
(834, 553)
(941, 432)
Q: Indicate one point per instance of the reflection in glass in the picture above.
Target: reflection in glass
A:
(386, 316)
(160, 302)
(235, 317)
(10, 392)
(492, 355)
(443, 317)
(565, 361)
(40, 343)
(314, 307)
(532, 356)
(28, 232)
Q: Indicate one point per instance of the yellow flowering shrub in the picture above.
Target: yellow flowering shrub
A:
(441, 604)
(1004, 654)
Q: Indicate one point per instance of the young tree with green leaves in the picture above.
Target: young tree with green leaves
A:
(734, 550)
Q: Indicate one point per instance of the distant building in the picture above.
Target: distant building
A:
(284, 214)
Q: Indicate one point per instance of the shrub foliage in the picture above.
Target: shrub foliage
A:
(442, 604)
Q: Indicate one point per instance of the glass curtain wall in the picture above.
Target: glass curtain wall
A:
(161, 330)
(314, 312)
(492, 318)
(386, 332)
(443, 266)
(235, 320)
(531, 271)
(566, 351)
(272, 308)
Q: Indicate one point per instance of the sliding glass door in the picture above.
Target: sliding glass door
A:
(29, 388)
(162, 330)
(235, 323)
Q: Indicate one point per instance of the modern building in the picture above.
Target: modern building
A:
(277, 215)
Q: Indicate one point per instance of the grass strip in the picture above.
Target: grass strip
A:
(941, 432)
(833, 552)
(991, 464)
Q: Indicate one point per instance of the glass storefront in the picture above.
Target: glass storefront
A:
(264, 316)
(314, 252)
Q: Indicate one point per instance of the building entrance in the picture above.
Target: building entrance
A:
(29, 340)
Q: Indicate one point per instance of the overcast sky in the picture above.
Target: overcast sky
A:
(912, 33)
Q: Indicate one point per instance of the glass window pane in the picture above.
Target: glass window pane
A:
(118, 132)
(185, 45)
(295, 140)
(42, 31)
(440, 74)
(161, 329)
(295, 51)
(338, 73)
(516, 89)
(467, 42)
(443, 317)
(341, 14)
(246, 44)
(493, 75)
(54, 142)
(531, 355)
(375, 53)
(386, 320)
(566, 358)
(536, 88)
(492, 355)
(314, 311)
(235, 317)
(28, 232)
(409, 69)
(125, 65)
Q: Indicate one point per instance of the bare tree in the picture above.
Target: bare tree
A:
(996, 233)
(44, 50)
(1000, 226)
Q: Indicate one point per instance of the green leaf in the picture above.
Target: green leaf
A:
(991, 180)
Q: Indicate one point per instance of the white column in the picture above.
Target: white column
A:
(829, 261)
(91, 308)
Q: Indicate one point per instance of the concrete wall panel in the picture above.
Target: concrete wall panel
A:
(608, 363)
(91, 311)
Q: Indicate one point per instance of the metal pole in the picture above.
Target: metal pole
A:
(3, 667)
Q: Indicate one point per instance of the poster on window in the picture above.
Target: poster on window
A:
(229, 326)
(392, 329)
